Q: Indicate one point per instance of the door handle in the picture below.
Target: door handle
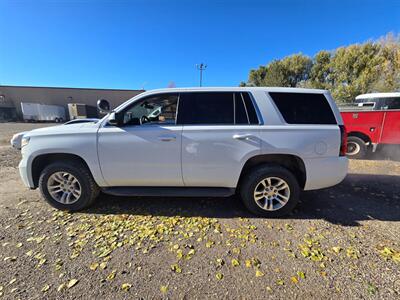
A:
(167, 138)
(242, 136)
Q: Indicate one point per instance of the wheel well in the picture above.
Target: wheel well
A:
(41, 161)
(291, 162)
(360, 135)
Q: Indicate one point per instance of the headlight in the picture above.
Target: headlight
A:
(25, 141)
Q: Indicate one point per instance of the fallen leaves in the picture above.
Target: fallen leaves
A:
(352, 253)
(176, 268)
(220, 262)
(259, 273)
(94, 266)
(111, 276)
(72, 283)
(219, 276)
(301, 274)
(388, 253)
(235, 262)
(337, 249)
(189, 242)
(126, 287)
(45, 288)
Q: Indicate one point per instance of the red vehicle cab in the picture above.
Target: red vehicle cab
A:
(373, 120)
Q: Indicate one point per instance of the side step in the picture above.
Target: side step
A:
(169, 191)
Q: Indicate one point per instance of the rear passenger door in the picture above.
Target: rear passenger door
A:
(220, 132)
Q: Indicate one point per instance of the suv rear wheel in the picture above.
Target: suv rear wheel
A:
(270, 191)
(68, 186)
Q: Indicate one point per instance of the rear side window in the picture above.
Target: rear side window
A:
(391, 103)
(251, 111)
(245, 112)
(225, 108)
(206, 108)
(240, 110)
(303, 108)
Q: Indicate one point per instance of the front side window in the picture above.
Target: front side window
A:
(157, 109)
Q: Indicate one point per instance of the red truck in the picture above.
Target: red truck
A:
(374, 120)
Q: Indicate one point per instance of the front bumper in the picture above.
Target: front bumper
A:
(25, 173)
(325, 172)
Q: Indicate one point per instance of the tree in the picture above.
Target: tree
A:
(346, 72)
(289, 72)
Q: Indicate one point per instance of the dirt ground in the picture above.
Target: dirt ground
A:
(342, 242)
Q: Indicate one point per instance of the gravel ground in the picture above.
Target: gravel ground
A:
(341, 242)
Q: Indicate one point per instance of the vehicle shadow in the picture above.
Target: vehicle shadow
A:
(386, 152)
(359, 197)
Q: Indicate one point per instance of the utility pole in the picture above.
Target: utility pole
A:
(201, 67)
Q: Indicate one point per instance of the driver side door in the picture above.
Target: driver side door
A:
(146, 149)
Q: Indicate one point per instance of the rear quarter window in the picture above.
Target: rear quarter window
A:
(303, 108)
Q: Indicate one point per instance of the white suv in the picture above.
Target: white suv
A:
(264, 144)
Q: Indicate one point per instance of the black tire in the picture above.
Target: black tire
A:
(89, 189)
(255, 176)
(356, 148)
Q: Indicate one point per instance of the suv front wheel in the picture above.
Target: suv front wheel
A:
(68, 186)
(270, 191)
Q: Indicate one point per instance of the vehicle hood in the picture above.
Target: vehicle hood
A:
(63, 129)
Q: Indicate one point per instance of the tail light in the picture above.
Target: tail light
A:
(343, 140)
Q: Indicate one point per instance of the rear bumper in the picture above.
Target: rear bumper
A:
(325, 172)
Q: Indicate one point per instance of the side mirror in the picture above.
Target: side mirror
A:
(113, 119)
(103, 105)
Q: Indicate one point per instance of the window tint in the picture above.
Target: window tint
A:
(251, 111)
(240, 110)
(303, 108)
(391, 103)
(206, 108)
(159, 109)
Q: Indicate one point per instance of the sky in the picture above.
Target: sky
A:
(149, 44)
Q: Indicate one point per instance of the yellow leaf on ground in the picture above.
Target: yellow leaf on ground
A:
(103, 265)
(235, 262)
(248, 263)
(259, 273)
(72, 282)
(176, 268)
(45, 288)
(60, 287)
(337, 249)
(126, 286)
(280, 282)
(219, 276)
(164, 289)
(301, 274)
(220, 262)
(111, 276)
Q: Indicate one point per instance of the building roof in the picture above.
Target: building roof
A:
(65, 88)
